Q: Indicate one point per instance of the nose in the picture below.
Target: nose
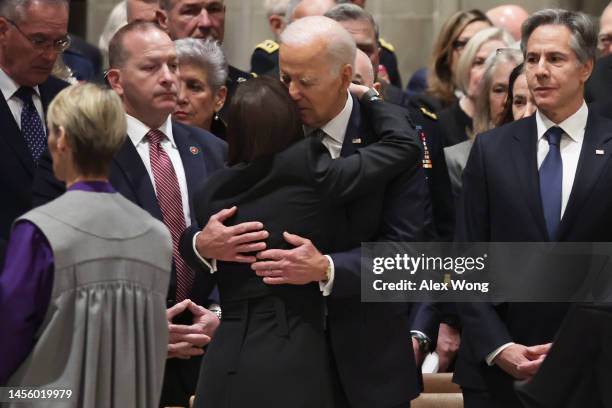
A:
(182, 96)
(204, 19)
(541, 68)
(294, 92)
(167, 76)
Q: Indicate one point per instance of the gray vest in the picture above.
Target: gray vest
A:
(105, 333)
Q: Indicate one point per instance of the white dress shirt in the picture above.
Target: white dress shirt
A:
(570, 146)
(8, 88)
(136, 132)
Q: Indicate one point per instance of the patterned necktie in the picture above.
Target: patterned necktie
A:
(31, 125)
(169, 199)
(551, 181)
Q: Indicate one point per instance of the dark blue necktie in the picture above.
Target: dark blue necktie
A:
(551, 181)
(31, 126)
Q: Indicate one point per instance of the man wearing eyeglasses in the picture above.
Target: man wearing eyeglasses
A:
(33, 33)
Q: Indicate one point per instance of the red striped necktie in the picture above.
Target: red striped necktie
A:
(169, 200)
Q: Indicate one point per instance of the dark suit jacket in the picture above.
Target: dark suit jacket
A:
(454, 124)
(597, 88)
(201, 154)
(501, 203)
(576, 372)
(16, 164)
(370, 342)
(304, 191)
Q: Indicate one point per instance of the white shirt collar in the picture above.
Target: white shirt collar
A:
(137, 130)
(573, 126)
(336, 128)
(8, 86)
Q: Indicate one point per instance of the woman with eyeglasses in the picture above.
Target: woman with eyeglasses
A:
(451, 41)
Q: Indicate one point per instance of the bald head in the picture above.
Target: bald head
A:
(510, 17)
(306, 8)
(363, 73)
(605, 31)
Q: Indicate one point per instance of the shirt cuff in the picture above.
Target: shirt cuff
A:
(495, 353)
(326, 286)
(210, 264)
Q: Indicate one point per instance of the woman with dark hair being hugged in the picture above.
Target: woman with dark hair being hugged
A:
(270, 349)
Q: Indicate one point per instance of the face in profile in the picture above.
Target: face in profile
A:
(523, 104)
(31, 45)
(196, 19)
(318, 89)
(198, 101)
(555, 76)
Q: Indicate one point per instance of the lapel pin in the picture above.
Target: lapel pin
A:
(194, 150)
(599, 152)
(357, 141)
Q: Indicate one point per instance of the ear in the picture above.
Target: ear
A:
(586, 71)
(276, 24)
(162, 19)
(61, 141)
(4, 27)
(346, 74)
(113, 77)
(220, 98)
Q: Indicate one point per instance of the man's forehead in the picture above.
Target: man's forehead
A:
(149, 43)
(196, 2)
(550, 35)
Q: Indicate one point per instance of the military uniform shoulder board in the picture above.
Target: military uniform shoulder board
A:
(268, 46)
(429, 114)
(387, 45)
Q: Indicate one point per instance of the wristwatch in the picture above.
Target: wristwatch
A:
(423, 340)
(216, 309)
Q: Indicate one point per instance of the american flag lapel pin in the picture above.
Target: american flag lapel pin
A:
(194, 150)
(599, 152)
(357, 140)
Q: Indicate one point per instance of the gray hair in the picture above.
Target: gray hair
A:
(482, 116)
(582, 28)
(15, 9)
(341, 48)
(462, 75)
(205, 54)
(351, 12)
(278, 7)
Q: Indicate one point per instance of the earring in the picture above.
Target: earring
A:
(216, 116)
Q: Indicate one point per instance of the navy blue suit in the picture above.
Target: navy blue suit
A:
(16, 164)
(501, 203)
(371, 342)
(201, 154)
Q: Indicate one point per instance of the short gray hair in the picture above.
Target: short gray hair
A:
(341, 48)
(351, 12)
(582, 28)
(204, 54)
(278, 7)
(15, 9)
(462, 75)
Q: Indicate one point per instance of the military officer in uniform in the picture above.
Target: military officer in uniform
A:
(265, 57)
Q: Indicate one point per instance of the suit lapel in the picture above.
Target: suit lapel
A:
(131, 165)
(13, 137)
(357, 134)
(524, 155)
(590, 166)
(191, 156)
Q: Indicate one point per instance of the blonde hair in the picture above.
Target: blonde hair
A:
(462, 76)
(95, 125)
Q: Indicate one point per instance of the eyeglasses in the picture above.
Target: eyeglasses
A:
(41, 43)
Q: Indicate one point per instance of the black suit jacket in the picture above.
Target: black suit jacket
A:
(597, 88)
(16, 164)
(501, 203)
(576, 372)
(201, 154)
(371, 342)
